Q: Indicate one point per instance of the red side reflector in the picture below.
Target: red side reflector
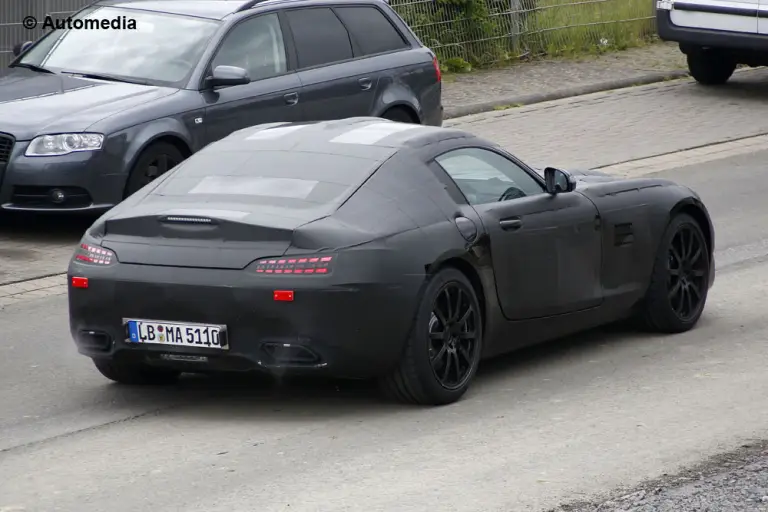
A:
(437, 69)
(80, 282)
(283, 295)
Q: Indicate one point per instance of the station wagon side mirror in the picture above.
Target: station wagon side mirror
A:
(558, 181)
(20, 48)
(228, 75)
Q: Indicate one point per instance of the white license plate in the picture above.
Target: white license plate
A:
(176, 334)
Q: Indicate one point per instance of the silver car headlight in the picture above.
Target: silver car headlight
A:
(64, 144)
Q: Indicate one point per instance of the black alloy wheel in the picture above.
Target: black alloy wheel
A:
(688, 272)
(443, 350)
(680, 280)
(453, 336)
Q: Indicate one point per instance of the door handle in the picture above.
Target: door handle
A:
(511, 224)
(291, 98)
(365, 83)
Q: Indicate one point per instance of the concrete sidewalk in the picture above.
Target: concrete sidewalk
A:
(544, 79)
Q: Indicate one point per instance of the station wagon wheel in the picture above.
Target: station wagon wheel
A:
(452, 336)
(443, 349)
(153, 162)
(400, 115)
(680, 280)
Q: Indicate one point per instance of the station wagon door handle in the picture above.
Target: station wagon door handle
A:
(291, 98)
(511, 224)
(365, 83)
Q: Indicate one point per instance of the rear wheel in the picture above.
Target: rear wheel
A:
(153, 162)
(443, 350)
(680, 280)
(399, 114)
(134, 373)
(710, 67)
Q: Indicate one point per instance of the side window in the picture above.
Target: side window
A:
(487, 177)
(319, 36)
(255, 45)
(371, 30)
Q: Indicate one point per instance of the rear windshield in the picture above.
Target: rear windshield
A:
(292, 179)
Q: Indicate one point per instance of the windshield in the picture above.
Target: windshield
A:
(162, 48)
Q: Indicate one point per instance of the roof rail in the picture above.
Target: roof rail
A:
(249, 4)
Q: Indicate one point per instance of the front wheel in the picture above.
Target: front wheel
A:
(134, 373)
(443, 349)
(680, 280)
(153, 162)
(710, 67)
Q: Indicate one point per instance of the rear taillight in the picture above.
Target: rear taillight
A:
(322, 264)
(95, 255)
(437, 69)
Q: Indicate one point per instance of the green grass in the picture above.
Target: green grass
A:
(469, 34)
(573, 27)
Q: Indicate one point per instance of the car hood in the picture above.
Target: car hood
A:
(34, 103)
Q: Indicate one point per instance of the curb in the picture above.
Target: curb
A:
(477, 108)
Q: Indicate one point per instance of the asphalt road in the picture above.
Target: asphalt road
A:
(562, 422)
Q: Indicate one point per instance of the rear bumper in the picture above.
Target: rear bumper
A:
(345, 330)
(697, 37)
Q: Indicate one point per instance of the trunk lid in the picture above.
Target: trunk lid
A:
(203, 238)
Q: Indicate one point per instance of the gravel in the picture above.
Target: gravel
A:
(734, 482)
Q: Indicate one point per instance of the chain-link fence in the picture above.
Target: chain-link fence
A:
(482, 32)
(478, 32)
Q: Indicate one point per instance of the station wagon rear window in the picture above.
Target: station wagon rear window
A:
(371, 29)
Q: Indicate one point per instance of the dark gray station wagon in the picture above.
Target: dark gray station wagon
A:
(88, 116)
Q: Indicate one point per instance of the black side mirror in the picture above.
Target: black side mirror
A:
(21, 48)
(558, 181)
(228, 75)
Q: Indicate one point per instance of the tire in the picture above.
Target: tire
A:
(148, 159)
(400, 115)
(135, 374)
(414, 380)
(710, 67)
(674, 279)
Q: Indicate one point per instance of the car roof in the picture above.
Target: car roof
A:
(210, 9)
(367, 138)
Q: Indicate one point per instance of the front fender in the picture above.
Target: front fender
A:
(141, 136)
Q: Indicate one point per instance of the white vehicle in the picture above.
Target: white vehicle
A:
(716, 35)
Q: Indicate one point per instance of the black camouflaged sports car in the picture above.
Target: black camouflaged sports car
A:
(368, 248)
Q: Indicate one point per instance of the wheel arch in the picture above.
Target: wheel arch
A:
(142, 137)
(410, 110)
(472, 275)
(696, 209)
(170, 138)
(173, 139)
